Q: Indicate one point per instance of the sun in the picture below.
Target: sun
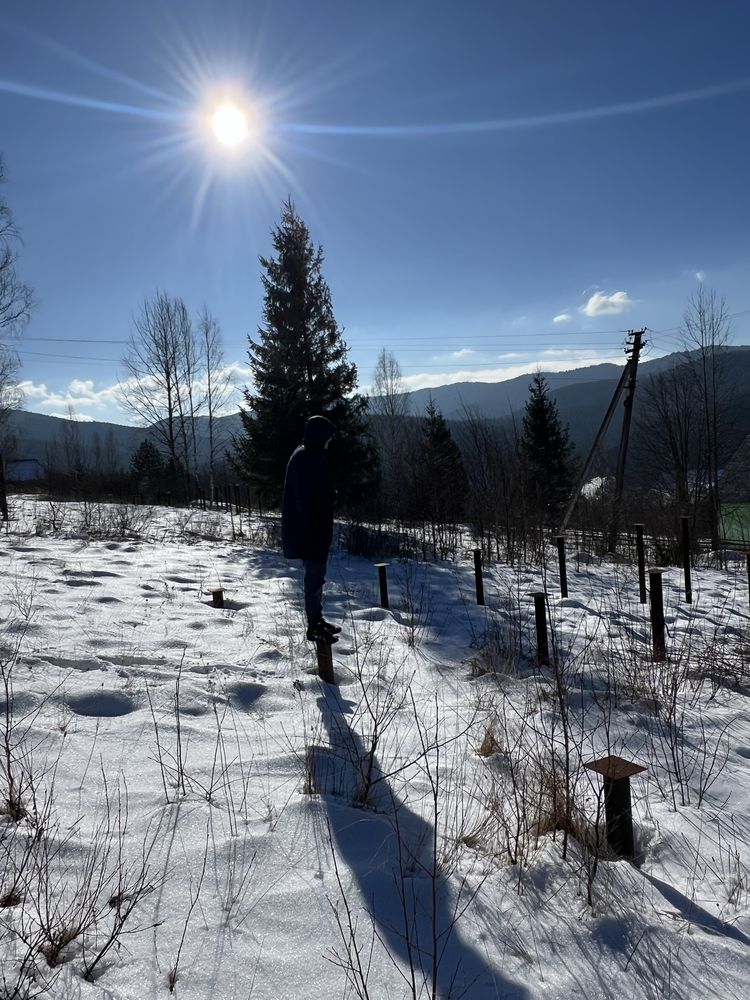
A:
(229, 124)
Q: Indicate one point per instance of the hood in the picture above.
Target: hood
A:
(318, 430)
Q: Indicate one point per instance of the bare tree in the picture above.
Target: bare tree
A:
(16, 298)
(706, 330)
(389, 406)
(673, 431)
(188, 402)
(389, 398)
(217, 384)
(11, 395)
(492, 465)
(72, 446)
(161, 361)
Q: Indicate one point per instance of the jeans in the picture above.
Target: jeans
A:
(314, 578)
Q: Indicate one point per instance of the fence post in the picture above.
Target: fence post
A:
(325, 661)
(686, 558)
(657, 616)
(563, 569)
(540, 617)
(478, 576)
(618, 810)
(383, 579)
(217, 597)
(641, 563)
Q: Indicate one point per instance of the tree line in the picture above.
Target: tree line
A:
(399, 471)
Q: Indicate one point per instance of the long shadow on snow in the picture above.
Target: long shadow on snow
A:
(377, 844)
(695, 914)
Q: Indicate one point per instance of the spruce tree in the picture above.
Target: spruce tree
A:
(441, 485)
(300, 368)
(547, 453)
(147, 464)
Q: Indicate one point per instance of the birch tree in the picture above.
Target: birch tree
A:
(161, 362)
(217, 385)
(706, 330)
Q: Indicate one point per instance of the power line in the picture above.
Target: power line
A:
(73, 340)
(64, 357)
(417, 338)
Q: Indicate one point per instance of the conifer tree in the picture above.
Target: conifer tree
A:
(147, 464)
(441, 485)
(300, 368)
(547, 453)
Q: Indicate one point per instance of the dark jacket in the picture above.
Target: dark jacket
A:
(307, 505)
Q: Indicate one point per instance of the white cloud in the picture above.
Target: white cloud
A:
(607, 304)
(33, 391)
(700, 275)
(562, 318)
(238, 372)
(79, 392)
(463, 353)
(80, 398)
(89, 402)
(81, 386)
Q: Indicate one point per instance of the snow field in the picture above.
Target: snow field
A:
(424, 829)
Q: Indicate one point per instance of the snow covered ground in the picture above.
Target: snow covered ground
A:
(186, 806)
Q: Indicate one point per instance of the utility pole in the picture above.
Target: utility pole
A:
(627, 378)
(594, 448)
(634, 350)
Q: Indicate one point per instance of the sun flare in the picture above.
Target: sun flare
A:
(229, 124)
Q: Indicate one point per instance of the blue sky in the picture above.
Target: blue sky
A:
(495, 184)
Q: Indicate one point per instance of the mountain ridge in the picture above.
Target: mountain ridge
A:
(582, 396)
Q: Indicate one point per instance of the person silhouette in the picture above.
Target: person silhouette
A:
(307, 520)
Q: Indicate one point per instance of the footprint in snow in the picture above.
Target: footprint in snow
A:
(202, 668)
(245, 695)
(134, 660)
(102, 704)
(268, 656)
(83, 663)
(21, 704)
(87, 574)
(193, 708)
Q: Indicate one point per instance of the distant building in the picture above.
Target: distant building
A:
(24, 470)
